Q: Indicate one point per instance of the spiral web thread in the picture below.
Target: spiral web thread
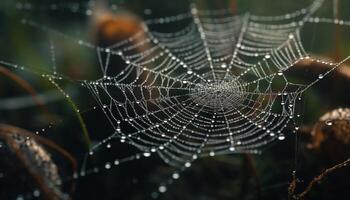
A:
(216, 86)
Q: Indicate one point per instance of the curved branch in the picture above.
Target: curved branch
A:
(315, 181)
(28, 88)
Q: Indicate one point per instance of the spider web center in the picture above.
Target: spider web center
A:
(219, 94)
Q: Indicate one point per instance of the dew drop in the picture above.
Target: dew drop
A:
(162, 189)
(281, 137)
(36, 193)
(19, 198)
(116, 162)
(175, 175)
(147, 154)
(108, 166)
(329, 123)
(147, 11)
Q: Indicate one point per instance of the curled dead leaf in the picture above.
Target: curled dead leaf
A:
(30, 152)
(331, 134)
(110, 28)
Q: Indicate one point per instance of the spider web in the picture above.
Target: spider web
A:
(216, 85)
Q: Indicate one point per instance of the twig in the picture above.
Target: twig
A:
(315, 181)
(9, 133)
(86, 135)
(28, 88)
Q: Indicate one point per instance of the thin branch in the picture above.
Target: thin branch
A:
(28, 88)
(315, 181)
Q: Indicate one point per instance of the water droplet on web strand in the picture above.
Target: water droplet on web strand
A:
(212, 153)
(36, 193)
(281, 137)
(108, 166)
(175, 176)
(19, 198)
(147, 154)
(162, 189)
(147, 11)
(187, 164)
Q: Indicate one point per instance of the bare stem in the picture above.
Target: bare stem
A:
(315, 181)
